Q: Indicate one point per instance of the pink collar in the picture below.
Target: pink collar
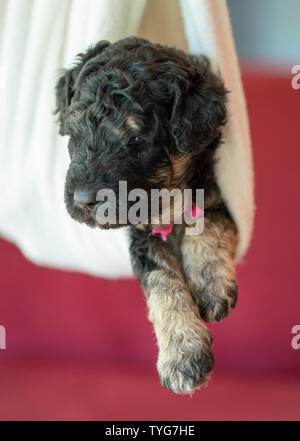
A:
(164, 232)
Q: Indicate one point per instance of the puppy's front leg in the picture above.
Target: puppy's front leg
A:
(208, 265)
(184, 343)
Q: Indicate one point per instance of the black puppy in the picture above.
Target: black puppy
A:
(152, 116)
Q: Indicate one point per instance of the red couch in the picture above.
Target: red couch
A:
(81, 348)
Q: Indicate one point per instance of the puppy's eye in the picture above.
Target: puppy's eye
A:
(136, 140)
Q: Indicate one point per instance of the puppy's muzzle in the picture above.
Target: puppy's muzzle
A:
(85, 199)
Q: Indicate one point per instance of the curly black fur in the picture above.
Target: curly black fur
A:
(176, 106)
(176, 101)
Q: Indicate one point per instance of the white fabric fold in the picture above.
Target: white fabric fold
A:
(208, 30)
(37, 38)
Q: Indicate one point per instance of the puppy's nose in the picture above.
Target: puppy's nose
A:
(85, 198)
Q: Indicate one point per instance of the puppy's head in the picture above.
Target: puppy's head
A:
(134, 112)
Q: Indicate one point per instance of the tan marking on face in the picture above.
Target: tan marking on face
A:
(179, 163)
(172, 177)
(130, 121)
(74, 116)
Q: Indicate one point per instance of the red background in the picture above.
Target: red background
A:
(81, 348)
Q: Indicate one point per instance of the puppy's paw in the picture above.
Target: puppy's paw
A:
(216, 299)
(185, 366)
(209, 267)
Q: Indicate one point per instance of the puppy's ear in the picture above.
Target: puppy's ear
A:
(199, 110)
(66, 85)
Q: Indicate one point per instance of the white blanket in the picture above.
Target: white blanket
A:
(37, 37)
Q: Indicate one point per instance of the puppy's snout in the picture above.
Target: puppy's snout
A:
(85, 198)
